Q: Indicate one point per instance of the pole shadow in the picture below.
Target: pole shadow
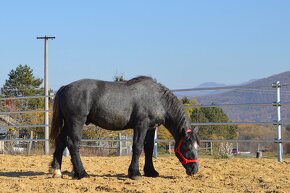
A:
(21, 174)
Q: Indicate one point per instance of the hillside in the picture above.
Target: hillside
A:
(253, 95)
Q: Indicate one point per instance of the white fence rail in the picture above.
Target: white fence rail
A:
(276, 88)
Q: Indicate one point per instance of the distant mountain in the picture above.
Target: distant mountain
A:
(192, 94)
(253, 95)
(211, 85)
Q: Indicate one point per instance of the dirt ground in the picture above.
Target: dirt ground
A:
(109, 174)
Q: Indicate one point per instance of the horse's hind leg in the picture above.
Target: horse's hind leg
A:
(148, 149)
(60, 145)
(73, 144)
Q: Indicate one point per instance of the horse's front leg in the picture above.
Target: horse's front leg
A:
(138, 142)
(149, 170)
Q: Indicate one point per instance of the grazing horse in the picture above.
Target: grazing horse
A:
(140, 103)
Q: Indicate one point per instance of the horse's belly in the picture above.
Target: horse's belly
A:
(117, 120)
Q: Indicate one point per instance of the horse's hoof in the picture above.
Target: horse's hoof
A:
(51, 170)
(152, 174)
(136, 177)
(57, 173)
(134, 174)
(83, 174)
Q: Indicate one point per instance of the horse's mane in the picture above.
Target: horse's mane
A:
(169, 100)
(137, 79)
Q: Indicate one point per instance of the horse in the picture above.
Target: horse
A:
(141, 104)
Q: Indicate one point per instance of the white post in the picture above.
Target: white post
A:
(2, 146)
(46, 107)
(155, 151)
(280, 147)
(169, 147)
(127, 146)
(120, 144)
(30, 142)
(277, 85)
(66, 152)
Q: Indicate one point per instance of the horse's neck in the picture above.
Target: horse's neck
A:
(175, 115)
(173, 127)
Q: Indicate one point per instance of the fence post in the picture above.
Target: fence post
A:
(277, 104)
(155, 144)
(66, 152)
(120, 144)
(169, 147)
(2, 146)
(30, 142)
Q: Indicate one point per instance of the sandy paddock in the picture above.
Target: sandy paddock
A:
(108, 174)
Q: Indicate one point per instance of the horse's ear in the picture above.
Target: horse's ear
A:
(195, 130)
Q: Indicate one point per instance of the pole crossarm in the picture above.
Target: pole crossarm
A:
(46, 37)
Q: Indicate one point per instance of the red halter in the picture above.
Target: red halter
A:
(184, 160)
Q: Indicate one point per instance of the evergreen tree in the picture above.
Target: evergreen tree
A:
(21, 82)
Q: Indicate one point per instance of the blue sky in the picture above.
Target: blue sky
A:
(180, 43)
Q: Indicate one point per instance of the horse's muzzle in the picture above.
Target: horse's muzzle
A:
(193, 169)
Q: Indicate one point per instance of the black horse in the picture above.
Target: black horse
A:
(140, 103)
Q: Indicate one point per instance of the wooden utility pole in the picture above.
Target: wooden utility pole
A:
(46, 108)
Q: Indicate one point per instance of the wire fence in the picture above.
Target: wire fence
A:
(21, 121)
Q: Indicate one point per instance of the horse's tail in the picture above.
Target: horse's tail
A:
(57, 117)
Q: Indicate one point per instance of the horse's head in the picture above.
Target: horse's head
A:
(186, 150)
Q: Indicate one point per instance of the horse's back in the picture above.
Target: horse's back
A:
(106, 104)
(112, 105)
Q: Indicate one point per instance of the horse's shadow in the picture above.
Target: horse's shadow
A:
(122, 176)
(21, 174)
